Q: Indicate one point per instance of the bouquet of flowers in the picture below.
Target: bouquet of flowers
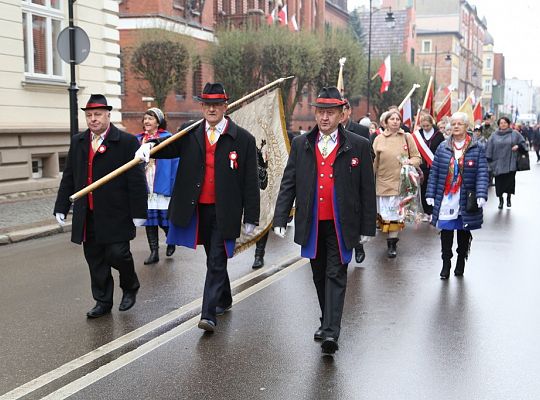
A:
(410, 207)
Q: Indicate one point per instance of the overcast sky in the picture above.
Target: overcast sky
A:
(515, 27)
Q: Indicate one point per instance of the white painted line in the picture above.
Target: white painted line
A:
(100, 373)
(87, 358)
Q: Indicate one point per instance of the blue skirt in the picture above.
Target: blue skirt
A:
(157, 218)
(451, 225)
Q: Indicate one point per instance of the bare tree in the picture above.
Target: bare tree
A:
(163, 64)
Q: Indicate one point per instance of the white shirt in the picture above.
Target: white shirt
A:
(101, 137)
(220, 128)
(429, 134)
(332, 142)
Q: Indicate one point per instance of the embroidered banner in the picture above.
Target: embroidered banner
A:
(264, 119)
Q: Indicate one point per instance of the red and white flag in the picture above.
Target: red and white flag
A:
(282, 15)
(428, 99)
(445, 109)
(477, 111)
(385, 74)
(406, 113)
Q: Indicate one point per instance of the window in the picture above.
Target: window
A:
(488, 63)
(196, 83)
(426, 46)
(37, 168)
(42, 23)
(487, 86)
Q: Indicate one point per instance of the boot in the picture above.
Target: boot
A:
(359, 253)
(392, 247)
(170, 247)
(445, 271)
(447, 239)
(464, 239)
(508, 201)
(460, 266)
(501, 202)
(152, 235)
(259, 252)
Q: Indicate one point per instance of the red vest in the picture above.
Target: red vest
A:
(325, 183)
(208, 190)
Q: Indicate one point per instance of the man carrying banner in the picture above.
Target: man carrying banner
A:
(105, 220)
(216, 184)
(330, 174)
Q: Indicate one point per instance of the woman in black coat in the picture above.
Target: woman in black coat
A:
(433, 138)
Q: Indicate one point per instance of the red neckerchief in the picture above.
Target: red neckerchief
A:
(455, 169)
(147, 137)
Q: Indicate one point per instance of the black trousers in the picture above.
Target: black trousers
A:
(217, 287)
(423, 188)
(100, 258)
(330, 278)
(464, 239)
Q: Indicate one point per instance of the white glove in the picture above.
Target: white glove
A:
(139, 221)
(364, 239)
(249, 228)
(481, 202)
(61, 218)
(144, 152)
(430, 201)
(280, 231)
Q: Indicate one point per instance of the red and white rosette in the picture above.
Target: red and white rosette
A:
(101, 149)
(354, 162)
(233, 158)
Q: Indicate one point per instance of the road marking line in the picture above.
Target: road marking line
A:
(107, 348)
(125, 359)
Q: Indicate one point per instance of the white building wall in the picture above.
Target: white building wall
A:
(35, 111)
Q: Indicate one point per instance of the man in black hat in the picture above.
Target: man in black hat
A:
(104, 220)
(330, 174)
(216, 184)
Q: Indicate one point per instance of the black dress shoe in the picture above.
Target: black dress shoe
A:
(359, 253)
(98, 311)
(170, 250)
(329, 345)
(222, 310)
(128, 300)
(319, 335)
(207, 325)
(501, 203)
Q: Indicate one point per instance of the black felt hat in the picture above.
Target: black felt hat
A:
(213, 93)
(329, 97)
(97, 101)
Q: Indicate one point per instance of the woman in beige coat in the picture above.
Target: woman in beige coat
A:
(391, 146)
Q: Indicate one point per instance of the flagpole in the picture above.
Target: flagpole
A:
(415, 86)
(127, 166)
(427, 92)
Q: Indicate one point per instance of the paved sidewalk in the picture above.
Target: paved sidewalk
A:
(28, 215)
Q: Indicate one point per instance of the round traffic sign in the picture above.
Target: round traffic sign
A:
(82, 45)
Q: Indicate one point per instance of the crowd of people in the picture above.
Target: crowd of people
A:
(346, 180)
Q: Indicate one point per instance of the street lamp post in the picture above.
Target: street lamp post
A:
(389, 19)
(73, 89)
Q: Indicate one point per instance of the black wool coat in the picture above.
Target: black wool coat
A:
(354, 187)
(117, 202)
(355, 127)
(237, 189)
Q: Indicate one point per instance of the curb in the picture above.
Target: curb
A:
(33, 233)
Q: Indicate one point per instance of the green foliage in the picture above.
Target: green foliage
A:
(404, 75)
(163, 65)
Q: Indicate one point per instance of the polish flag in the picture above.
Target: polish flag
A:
(282, 15)
(385, 74)
(477, 111)
(406, 113)
(428, 99)
(445, 109)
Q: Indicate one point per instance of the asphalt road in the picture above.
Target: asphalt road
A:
(406, 334)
